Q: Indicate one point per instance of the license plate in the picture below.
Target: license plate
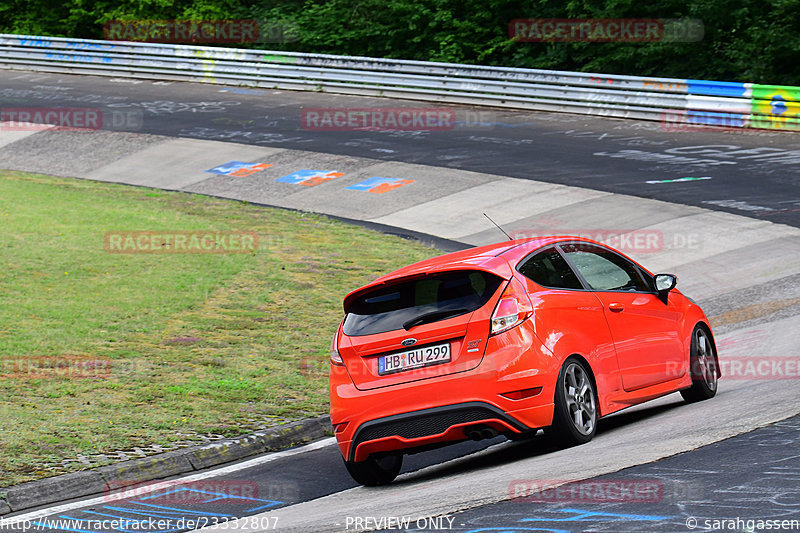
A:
(416, 358)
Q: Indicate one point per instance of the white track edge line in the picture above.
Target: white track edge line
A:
(160, 485)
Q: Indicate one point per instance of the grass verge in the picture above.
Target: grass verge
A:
(101, 352)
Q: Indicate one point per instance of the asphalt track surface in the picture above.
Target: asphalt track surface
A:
(747, 483)
(727, 486)
(754, 173)
(749, 173)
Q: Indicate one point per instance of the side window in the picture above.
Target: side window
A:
(604, 270)
(549, 269)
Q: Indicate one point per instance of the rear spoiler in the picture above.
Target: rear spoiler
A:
(496, 266)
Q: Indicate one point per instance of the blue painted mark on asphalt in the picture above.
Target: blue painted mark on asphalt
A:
(515, 529)
(229, 167)
(160, 516)
(217, 497)
(128, 527)
(577, 515)
(113, 516)
(244, 91)
(679, 180)
(238, 169)
(183, 489)
(254, 509)
(379, 185)
(370, 183)
(128, 516)
(491, 124)
(309, 178)
(129, 522)
(581, 515)
(163, 510)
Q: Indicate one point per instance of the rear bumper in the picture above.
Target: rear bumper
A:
(429, 426)
(446, 408)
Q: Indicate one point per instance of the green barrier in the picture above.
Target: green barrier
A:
(775, 107)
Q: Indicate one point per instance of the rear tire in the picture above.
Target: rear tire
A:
(375, 471)
(575, 410)
(703, 367)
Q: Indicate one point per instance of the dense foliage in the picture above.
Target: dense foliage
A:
(745, 40)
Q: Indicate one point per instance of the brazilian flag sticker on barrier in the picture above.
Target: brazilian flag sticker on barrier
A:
(776, 107)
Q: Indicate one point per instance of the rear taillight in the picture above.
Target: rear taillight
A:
(336, 357)
(514, 307)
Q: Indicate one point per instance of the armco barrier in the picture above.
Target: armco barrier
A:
(682, 103)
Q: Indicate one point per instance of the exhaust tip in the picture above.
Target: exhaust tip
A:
(481, 433)
(489, 433)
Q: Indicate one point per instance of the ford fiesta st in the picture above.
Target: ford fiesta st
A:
(507, 339)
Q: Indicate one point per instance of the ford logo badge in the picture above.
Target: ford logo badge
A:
(409, 342)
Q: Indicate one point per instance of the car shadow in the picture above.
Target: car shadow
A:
(499, 452)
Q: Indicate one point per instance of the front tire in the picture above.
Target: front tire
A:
(703, 367)
(575, 410)
(375, 471)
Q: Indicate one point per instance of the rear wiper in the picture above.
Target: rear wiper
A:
(432, 317)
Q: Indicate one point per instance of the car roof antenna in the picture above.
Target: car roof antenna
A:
(498, 227)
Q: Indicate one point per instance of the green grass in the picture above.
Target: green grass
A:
(102, 352)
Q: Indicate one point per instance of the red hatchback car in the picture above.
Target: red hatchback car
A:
(506, 339)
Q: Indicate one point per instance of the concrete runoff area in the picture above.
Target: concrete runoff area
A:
(8, 137)
(179, 163)
(446, 203)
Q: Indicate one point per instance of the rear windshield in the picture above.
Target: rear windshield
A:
(424, 300)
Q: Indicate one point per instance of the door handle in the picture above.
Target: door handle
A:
(616, 307)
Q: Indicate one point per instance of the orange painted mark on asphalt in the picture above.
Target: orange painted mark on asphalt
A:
(386, 187)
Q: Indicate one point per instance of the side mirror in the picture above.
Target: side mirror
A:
(665, 283)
